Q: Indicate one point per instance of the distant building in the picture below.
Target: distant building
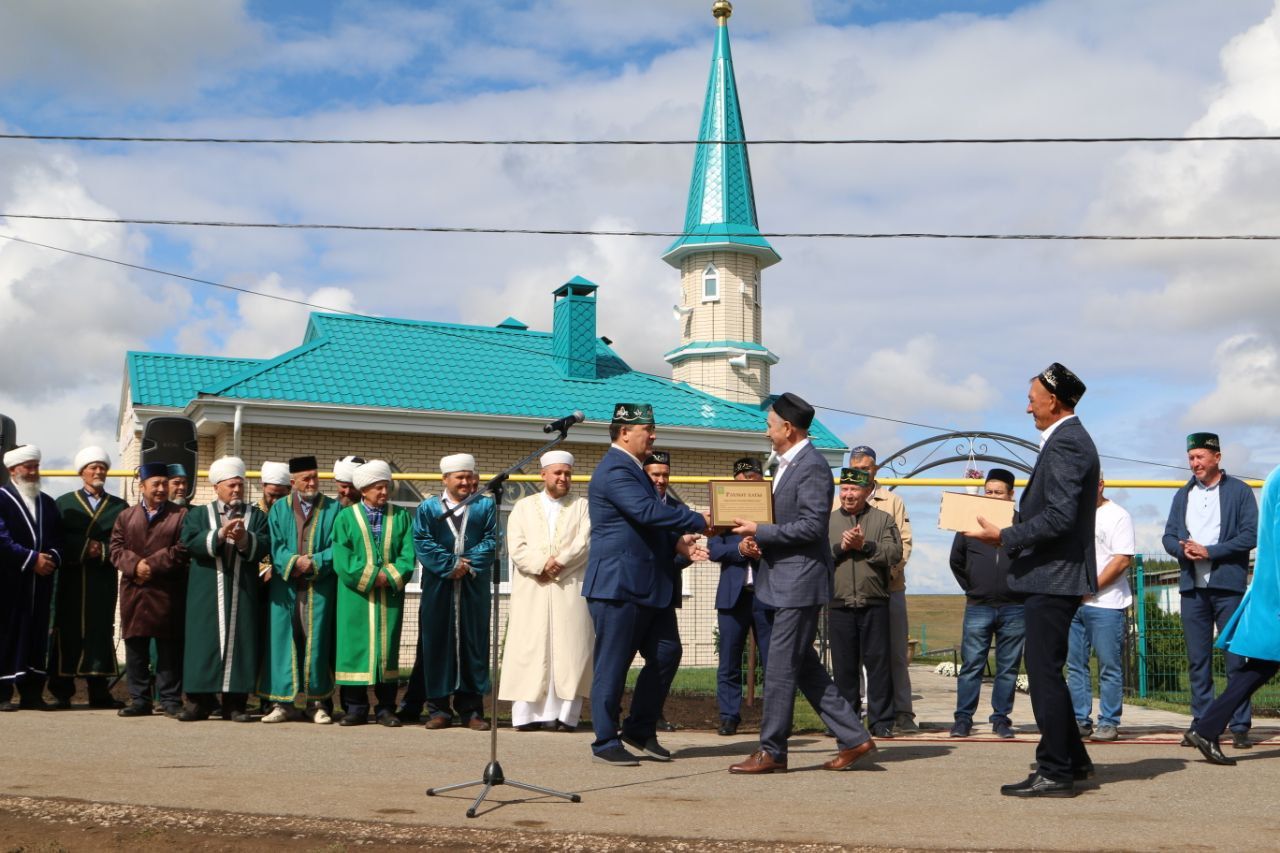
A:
(411, 391)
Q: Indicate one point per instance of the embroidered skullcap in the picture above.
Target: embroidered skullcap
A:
(1062, 383)
(373, 471)
(855, 477)
(226, 468)
(20, 454)
(556, 457)
(658, 457)
(457, 462)
(748, 465)
(1206, 440)
(631, 414)
(275, 474)
(89, 455)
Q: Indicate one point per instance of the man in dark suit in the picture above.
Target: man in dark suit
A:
(738, 611)
(631, 587)
(1053, 564)
(794, 578)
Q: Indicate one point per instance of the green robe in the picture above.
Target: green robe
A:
(308, 602)
(369, 616)
(223, 594)
(84, 611)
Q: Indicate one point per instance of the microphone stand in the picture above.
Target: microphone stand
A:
(493, 775)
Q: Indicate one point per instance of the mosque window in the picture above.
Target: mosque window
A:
(755, 287)
(710, 284)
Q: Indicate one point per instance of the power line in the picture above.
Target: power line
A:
(955, 140)
(590, 232)
(514, 347)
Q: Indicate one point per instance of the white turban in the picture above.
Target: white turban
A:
(275, 474)
(373, 471)
(89, 455)
(344, 469)
(226, 468)
(556, 457)
(22, 453)
(457, 462)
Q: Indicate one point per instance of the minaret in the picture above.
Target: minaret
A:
(722, 254)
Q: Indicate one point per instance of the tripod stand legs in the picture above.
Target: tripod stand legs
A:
(493, 777)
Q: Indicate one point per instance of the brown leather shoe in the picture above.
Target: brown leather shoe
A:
(845, 758)
(478, 724)
(759, 762)
(439, 722)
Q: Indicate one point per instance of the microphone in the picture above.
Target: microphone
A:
(564, 423)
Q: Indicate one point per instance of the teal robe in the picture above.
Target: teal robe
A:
(369, 615)
(84, 610)
(453, 618)
(291, 673)
(223, 597)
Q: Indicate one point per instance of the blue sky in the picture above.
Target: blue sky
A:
(1171, 338)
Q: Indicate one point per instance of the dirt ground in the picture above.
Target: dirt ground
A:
(29, 825)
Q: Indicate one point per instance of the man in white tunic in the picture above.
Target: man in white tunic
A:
(546, 665)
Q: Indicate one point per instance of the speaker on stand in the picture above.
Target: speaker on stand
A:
(8, 441)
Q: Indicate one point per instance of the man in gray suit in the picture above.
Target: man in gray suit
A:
(794, 579)
(1053, 564)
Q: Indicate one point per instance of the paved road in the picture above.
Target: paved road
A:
(925, 791)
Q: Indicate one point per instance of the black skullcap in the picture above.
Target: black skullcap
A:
(748, 465)
(658, 457)
(1206, 440)
(1062, 383)
(794, 410)
(1001, 475)
(154, 469)
(299, 464)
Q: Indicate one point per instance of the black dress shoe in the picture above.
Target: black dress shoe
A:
(102, 702)
(728, 727)
(882, 731)
(41, 705)
(562, 726)
(193, 715)
(58, 704)
(1083, 772)
(353, 719)
(134, 711)
(240, 716)
(388, 719)
(665, 726)
(9, 706)
(1240, 740)
(1036, 785)
(1186, 739)
(172, 711)
(529, 727)
(1210, 749)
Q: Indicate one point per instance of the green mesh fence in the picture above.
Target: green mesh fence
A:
(1156, 666)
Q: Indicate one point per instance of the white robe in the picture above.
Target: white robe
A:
(549, 635)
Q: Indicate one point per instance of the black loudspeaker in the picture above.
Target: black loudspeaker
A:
(173, 441)
(8, 441)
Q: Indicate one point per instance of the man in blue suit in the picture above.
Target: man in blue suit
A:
(1053, 563)
(631, 587)
(738, 611)
(795, 578)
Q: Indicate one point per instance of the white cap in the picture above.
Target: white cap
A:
(457, 462)
(22, 453)
(89, 455)
(275, 474)
(226, 468)
(373, 471)
(556, 457)
(345, 468)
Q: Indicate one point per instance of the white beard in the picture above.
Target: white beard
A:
(29, 489)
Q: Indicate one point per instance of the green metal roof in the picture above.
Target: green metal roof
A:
(444, 367)
(722, 206)
(172, 379)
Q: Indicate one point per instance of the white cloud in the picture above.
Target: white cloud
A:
(1248, 386)
(920, 376)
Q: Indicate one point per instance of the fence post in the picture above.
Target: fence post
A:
(1140, 614)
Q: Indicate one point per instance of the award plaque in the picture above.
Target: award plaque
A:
(960, 511)
(750, 500)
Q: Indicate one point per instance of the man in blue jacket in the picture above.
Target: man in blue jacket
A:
(631, 587)
(738, 612)
(1212, 527)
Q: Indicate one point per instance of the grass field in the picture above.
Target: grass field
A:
(935, 620)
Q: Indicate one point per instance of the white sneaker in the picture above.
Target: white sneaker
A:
(321, 717)
(278, 715)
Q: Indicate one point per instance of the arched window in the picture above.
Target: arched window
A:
(710, 284)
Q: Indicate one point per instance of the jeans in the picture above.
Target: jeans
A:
(1101, 630)
(982, 622)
